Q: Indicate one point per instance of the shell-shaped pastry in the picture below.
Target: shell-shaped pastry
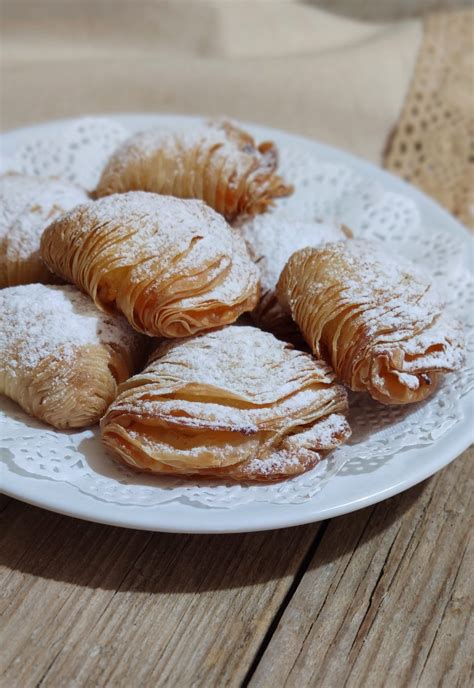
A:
(27, 206)
(376, 319)
(271, 239)
(60, 358)
(216, 162)
(236, 403)
(173, 267)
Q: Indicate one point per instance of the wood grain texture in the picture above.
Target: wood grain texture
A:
(385, 599)
(376, 598)
(90, 605)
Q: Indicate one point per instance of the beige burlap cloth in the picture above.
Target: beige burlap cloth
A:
(399, 93)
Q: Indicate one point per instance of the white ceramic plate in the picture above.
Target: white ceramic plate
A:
(346, 492)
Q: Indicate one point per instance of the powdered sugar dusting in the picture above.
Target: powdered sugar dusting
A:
(276, 463)
(238, 383)
(28, 205)
(273, 237)
(156, 218)
(249, 363)
(378, 318)
(204, 412)
(237, 285)
(324, 435)
(216, 161)
(206, 136)
(158, 228)
(180, 251)
(397, 297)
(38, 321)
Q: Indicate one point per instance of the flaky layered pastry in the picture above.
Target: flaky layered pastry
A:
(216, 162)
(271, 240)
(377, 320)
(173, 267)
(60, 358)
(236, 403)
(27, 206)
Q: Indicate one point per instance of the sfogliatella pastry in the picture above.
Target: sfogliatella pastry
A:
(173, 267)
(60, 358)
(27, 206)
(236, 403)
(216, 162)
(271, 240)
(377, 320)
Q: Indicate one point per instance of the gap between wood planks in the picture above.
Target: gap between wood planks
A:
(86, 601)
(66, 598)
(392, 610)
(286, 601)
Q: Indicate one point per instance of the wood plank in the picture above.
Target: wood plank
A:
(384, 600)
(93, 605)
(29, 534)
(59, 573)
(446, 661)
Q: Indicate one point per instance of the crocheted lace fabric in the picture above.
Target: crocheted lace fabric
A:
(432, 145)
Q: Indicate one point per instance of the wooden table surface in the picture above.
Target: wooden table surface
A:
(380, 597)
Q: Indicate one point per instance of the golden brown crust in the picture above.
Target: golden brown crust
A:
(27, 206)
(70, 394)
(172, 267)
(235, 403)
(216, 162)
(271, 239)
(377, 320)
(61, 360)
